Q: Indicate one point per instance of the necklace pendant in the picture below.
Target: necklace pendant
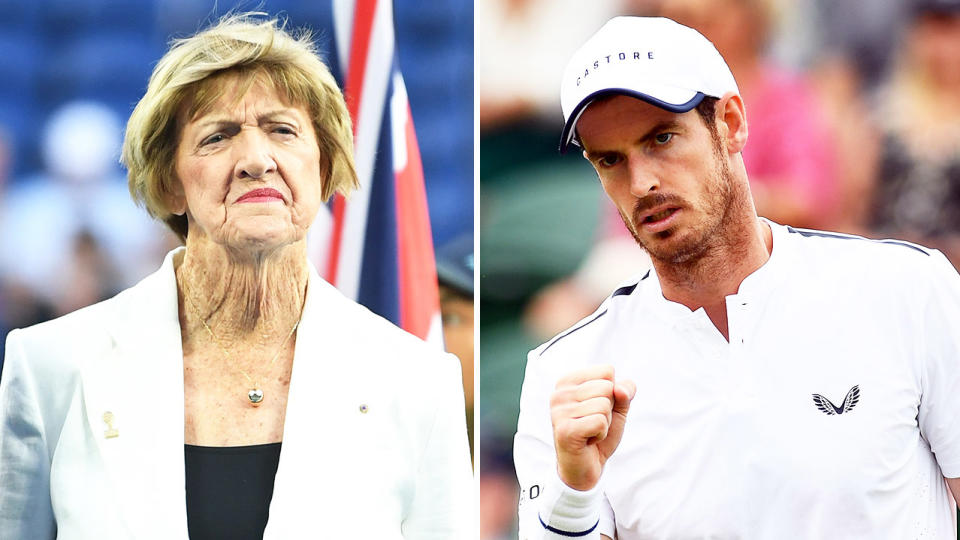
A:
(255, 396)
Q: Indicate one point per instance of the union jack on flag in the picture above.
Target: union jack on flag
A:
(376, 247)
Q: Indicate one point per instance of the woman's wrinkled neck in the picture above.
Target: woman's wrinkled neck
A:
(243, 294)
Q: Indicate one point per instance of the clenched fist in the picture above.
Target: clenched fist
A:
(588, 409)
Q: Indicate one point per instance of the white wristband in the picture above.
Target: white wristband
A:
(568, 513)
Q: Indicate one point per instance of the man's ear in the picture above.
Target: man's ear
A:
(731, 120)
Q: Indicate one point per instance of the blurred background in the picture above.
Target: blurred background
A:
(72, 71)
(854, 118)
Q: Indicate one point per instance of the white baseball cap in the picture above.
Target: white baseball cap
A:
(654, 59)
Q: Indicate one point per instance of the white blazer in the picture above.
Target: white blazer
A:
(399, 470)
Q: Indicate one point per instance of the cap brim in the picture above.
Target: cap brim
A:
(567, 136)
(457, 278)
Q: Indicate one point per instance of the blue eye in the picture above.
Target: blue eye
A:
(215, 138)
(284, 130)
(663, 138)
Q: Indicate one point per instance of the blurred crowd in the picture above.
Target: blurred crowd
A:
(73, 71)
(853, 111)
(71, 235)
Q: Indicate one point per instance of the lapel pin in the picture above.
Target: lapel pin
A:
(111, 432)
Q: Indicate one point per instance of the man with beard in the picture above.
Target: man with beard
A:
(761, 381)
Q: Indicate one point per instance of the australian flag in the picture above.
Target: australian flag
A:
(376, 247)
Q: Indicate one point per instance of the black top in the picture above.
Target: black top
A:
(229, 490)
(916, 195)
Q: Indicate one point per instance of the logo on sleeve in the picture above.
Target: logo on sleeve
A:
(828, 408)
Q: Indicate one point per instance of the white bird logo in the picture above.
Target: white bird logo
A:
(827, 407)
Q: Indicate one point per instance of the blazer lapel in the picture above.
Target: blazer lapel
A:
(326, 389)
(133, 398)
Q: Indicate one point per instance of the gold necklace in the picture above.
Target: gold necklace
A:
(255, 394)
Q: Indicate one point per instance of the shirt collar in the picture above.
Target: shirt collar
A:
(753, 287)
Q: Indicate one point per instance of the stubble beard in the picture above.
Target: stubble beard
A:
(686, 248)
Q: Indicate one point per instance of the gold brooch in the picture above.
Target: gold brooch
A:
(111, 432)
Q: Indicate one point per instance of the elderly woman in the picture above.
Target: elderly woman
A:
(233, 393)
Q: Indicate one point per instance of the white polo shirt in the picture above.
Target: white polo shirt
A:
(833, 411)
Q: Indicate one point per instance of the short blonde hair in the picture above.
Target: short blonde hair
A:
(187, 80)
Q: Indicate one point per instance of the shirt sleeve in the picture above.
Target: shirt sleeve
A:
(25, 506)
(548, 509)
(940, 400)
(443, 506)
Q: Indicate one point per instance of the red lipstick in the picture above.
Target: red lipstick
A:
(261, 195)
